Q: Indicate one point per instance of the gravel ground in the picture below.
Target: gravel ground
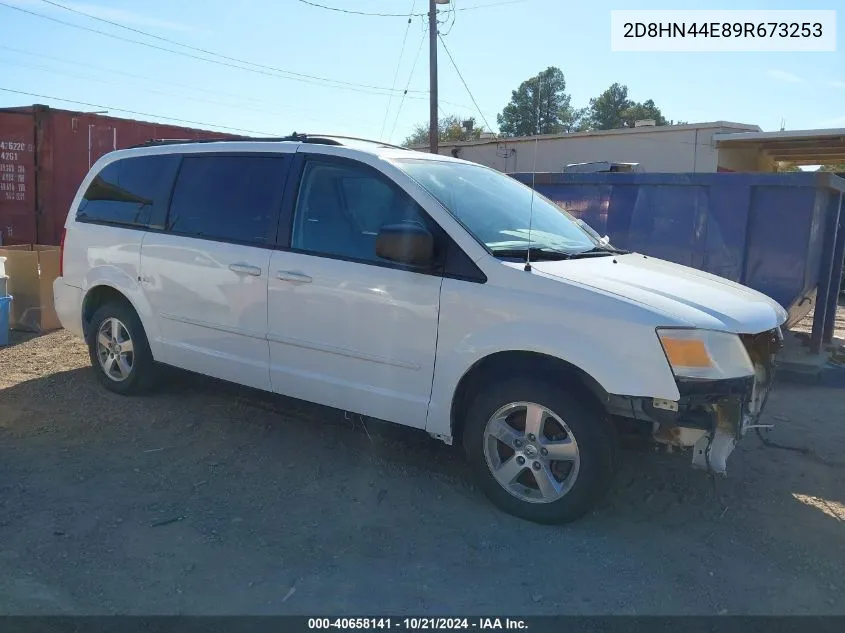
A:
(210, 499)
(806, 324)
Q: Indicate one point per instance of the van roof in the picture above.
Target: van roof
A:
(315, 139)
(368, 146)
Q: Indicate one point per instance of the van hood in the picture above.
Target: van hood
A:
(689, 296)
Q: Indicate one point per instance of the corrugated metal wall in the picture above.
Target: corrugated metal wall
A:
(53, 150)
(17, 178)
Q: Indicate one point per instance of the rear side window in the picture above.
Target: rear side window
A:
(228, 198)
(131, 192)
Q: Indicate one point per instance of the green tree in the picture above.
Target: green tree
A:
(539, 106)
(578, 120)
(835, 167)
(451, 128)
(640, 111)
(607, 111)
(612, 109)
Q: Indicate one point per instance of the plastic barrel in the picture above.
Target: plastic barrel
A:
(5, 307)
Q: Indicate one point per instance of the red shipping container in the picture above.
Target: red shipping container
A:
(46, 153)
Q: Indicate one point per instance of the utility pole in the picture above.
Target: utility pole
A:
(433, 127)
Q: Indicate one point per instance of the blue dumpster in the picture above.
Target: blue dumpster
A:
(5, 307)
(781, 234)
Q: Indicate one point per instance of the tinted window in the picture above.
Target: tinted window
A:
(341, 208)
(369, 202)
(132, 191)
(232, 198)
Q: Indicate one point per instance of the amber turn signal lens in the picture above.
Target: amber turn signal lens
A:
(686, 352)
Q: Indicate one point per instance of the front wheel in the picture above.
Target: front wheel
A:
(539, 451)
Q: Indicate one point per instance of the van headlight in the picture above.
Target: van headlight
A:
(705, 354)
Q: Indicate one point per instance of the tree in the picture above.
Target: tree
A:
(607, 111)
(786, 166)
(640, 111)
(451, 128)
(612, 109)
(835, 168)
(539, 106)
(578, 120)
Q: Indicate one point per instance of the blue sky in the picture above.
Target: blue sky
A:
(495, 48)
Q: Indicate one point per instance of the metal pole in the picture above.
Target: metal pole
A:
(835, 276)
(826, 273)
(433, 129)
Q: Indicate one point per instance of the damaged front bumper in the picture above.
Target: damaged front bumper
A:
(720, 412)
(713, 415)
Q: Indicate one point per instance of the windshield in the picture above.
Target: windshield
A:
(496, 209)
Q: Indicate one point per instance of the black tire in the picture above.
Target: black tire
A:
(141, 377)
(588, 423)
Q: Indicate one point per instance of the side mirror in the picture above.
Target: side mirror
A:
(406, 244)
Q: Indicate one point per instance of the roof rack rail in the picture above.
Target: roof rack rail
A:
(317, 139)
(357, 138)
(153, 142)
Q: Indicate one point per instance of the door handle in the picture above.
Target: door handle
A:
(295, 277)
(245, 269)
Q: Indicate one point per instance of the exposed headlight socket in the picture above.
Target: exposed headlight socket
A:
(666, 405)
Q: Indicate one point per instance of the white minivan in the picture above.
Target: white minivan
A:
(413, 288)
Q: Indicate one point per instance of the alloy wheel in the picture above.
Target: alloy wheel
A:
(115, 349)
(531, 452)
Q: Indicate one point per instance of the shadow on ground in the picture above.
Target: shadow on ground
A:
(209, 498)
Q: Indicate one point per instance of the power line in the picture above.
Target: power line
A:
(449, 14)
(469, 92)
(491, 5)
(208, 52)
(398, 65)
(299, 77)
(240, 97)
(410, 77)
(351, 12)
(67, 73)
(135, 112)
(237, 106)
(277, 73)
(87, 65)
(402, 15)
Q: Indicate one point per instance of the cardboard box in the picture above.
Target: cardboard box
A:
(31, 270)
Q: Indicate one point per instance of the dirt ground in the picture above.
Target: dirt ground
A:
(806, 324)
(211, 499)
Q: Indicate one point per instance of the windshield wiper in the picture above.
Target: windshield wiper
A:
(536, 253)
(599, 251)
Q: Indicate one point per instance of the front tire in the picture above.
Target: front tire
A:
(539, 451)
(119, 350)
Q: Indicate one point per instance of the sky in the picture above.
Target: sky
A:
(495, 48)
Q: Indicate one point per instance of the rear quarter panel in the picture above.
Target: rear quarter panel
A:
(98, 255)
(103, 255)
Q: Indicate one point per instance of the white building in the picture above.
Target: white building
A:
(696, 147)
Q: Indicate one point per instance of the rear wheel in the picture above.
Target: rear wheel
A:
(539, 452)
(120, 353)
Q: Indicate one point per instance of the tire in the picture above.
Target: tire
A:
(573, 484)
(131, 372)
